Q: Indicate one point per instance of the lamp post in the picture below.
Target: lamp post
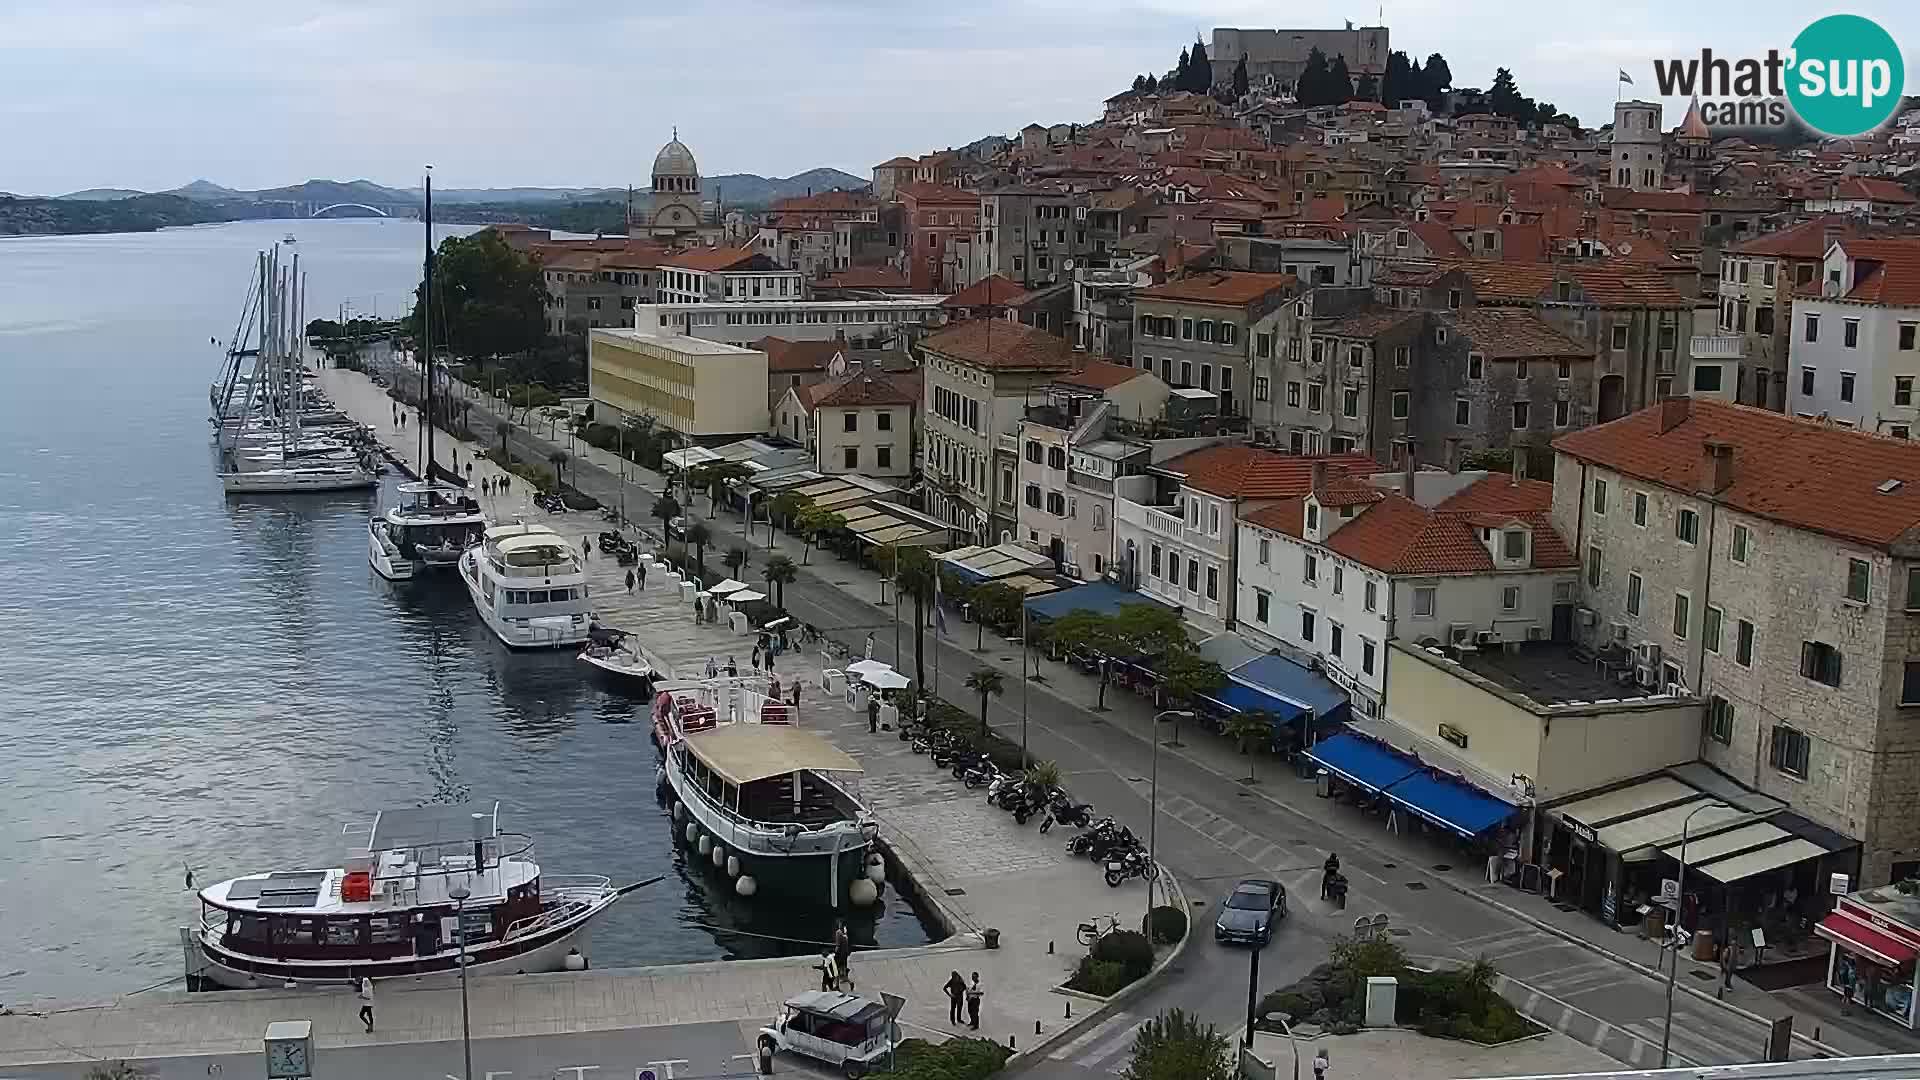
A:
(1153, 802)
(1281, 1020)
(1680, 883)
(460, 893)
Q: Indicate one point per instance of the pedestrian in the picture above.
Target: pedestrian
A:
(974, 993)
(586, 544)
(469, 472)
(773, 689)
(796, 693)
(713, 669)
(1320, 1064)
(365, 994)
(873, 714)
(643, 574)
(843, 950)
(869, 644)
(629, 583)
(733, 669)
(1331, 870)
(756, 658)
(956, 998)
(826, 971)
(506, 484)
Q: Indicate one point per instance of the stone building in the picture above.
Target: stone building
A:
(673, 212)
(1497, 379)
(1765, 564)
(1277, 57)
(1200, 331)
(1638, 152)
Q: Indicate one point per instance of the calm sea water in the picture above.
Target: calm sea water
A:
(187, 679)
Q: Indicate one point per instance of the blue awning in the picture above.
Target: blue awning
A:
(1239, 697)
(1360, 761)
(1300, 687)
(1098, 597)
(1450, 803)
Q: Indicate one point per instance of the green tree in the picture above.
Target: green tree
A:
(1437, 79)
(1153, 84)
(1151, 629)
(1183, 72)
(998, 604)
(490, 300)
(1368, 90)
(1185, 676)
(1241, 82)
(666, 508)
(808, 521)
(506, 428)
(717, 477)
(780, 572)
(1249, 730)
(1313, 87)
(699, 535)
(1175, 1045)
(558, 459)
(1139, 83)
(1339, 82)
(1504, 97)
(736, 558)
(987, 683)
(1090, 632)
(1199, 68)
(786, 508)
(1398, 84)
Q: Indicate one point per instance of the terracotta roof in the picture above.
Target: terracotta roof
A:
(710, 259)
(1604, 285)
(1235, 289)
(791, 357)
(901, 162)
(1003, 344)
(1369, 323)
(1628, 199)
(1807, 240)
(1399, 536)
(1867, 187)
(1100, 375)
(1411, 274)
(1503, 494)
(1798, 472)
(936, 194)
(869, 388)
(989, 291)
(1511, 333)
(1244, 472)
(1885, 271)
(865, 277)
(1440, 241)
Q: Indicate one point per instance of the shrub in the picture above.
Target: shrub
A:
(1287, 1003)
(1166, 925)
(955, 1059)
(1128, 948)
(1099, 977)
(1176, 1045)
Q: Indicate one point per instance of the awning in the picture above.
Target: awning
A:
(1241, 698)
(1098, 597)
(1361, 761)
(1704, 849)
(1662, 827)
(1865, 939)
(727, 586)
(1280, 677)
(1740, 867)
(743, 753)
(1449, 803)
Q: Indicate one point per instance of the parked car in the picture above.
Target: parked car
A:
(843, 1030)
(1250, 911)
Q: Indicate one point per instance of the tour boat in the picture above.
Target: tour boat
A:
(755, 793)
(530, 587)
(428, 529)
(616, 655)
(394, 910)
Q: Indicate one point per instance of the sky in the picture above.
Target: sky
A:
(151, 94)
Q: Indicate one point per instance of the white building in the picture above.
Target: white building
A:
(727, 275)
(1337, 572)
(877, 322)
(1852, 353)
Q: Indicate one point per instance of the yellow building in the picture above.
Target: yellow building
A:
(696, 387)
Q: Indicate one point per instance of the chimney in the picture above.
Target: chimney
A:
(1673, 413)
(1319, 481)
(1453, 454)
(1406, 448)
(1716, 466)
(1519, 463)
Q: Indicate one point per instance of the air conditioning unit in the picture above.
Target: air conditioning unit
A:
(1587, 616)
(1459, 634)
(1073, 570)
(1486, 637)
(1619, 630)
(1536, 633)
(1644, 675)
(1674, 689)
(1649, 653)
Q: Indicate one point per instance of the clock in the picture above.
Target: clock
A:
(289, 1045)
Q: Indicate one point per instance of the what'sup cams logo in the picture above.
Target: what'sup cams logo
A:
(1843, 76)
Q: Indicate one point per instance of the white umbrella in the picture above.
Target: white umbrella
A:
(886, 680)
(743, 596)
(868, 667)
(728, 586)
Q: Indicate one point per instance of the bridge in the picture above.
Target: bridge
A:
(375, 210)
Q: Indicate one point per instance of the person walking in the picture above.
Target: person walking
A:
(629, 583)
(873, 714)
(586, 547)
(713, 669)
(756, 658)
(365, 993)
(956, 999)
(469, 472)
(506, 484)
(1320, 1064)
(642, 570)
(796, 693)
(733, 669)
(974, 994)
(843, 951)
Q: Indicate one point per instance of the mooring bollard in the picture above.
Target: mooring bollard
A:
(1036, 1027)
(1069, 1008)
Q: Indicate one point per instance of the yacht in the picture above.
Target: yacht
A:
(298, 480)
(396, 909)
(426, 530)
(530, 587)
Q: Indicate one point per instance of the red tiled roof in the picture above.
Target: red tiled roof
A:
(1605, 285)
(710, 258)
(1100, 375)
(865, 277)
(1232, 288)
(1244, 472)
(1511, 333)
(1003, 344)
(1440, 241)
(992, 290)
(1885, 271)
(936, 195)
(1628, 199)
(1369, 323)
(1870, 188)
(869, 388)
(1807, 240)
(790, 357)
(1502, 494)
(1801, 473)
(1399, 536)
(901, 162)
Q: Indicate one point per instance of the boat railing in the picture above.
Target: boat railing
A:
(567, 910)
(575, 886)
(771, 837)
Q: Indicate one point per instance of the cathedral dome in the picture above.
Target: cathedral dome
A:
(675, 159)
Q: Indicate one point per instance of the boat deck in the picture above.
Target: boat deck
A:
(772, 800)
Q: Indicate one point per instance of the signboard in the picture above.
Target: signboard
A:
(1580, 829)
(1838, 884)
(1669, 891)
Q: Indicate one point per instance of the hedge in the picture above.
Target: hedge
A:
(947, 716)
(1165, 925)
(955, 1059)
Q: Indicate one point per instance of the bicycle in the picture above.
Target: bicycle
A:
(1096, 928)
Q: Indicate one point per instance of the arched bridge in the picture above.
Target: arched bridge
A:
(351, 206)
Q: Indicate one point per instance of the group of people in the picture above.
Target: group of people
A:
(961, 992)
(495, 486)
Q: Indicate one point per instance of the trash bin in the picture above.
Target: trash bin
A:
(1323, 783)
(1703, 946)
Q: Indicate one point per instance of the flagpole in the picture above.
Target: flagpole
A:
(1026, 647)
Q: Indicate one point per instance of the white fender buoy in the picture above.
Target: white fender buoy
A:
(574, 961)
(863, 892)
(877, 873)
(719, 856)
(679, 810)
(745, 886)
(693, 831)
(705, 845)
(733, 866)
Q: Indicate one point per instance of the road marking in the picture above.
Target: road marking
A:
(1249, 838)
(1109, 1048)
(1648, 1031)
(1087, 1036)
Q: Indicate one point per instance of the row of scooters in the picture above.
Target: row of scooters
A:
(1101, 840)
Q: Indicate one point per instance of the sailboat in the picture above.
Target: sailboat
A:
(435, 519)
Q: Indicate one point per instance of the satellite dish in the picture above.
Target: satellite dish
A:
(1067, 265)
(1626, 248)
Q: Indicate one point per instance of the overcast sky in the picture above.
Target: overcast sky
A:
(150, 94)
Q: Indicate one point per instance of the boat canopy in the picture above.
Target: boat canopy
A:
(743, 753)
(509, 545)
(434, 826)
(519, 528)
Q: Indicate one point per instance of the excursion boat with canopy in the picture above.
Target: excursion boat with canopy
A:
(392, 910)
(426, 530)
(760, 796)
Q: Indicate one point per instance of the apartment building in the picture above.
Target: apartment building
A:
(702, 389)
(1200, 331)
(939, 224)
(1335, 573)
(726, 275)
(1103, 308)
(589, 289)
(1496, 379)
(863, 422)
(865, 323)
(979, 376)
(1764, 563)
(1756, 287)
(1853, 357)
(1033, 236)
(1177, 525)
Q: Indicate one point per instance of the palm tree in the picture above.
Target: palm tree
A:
(787, 507)
(780, 572)
(699, 536)
(806, 521)
(505, 428)
(666, 508)
(559, 460)
(914, 571)
(988, 683)
(734, 560)
(1247, 729)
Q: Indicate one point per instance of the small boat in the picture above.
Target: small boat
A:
(530, 587)
(290, 239)
(615, 654)
(397, 909)
(432, 524)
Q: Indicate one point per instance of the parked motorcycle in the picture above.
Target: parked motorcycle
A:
(1133, 864)
(1062, 810)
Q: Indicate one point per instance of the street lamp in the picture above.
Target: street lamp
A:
(1278, 1019)
(460, 893)
(1153, 807)
(1679, 886)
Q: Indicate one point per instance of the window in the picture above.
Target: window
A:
(1640, 508)
(1193, 575)
(884, 420)
(1789, 751)
(851, 456)
(1453, 299)
(1706, 378)
(1510, 598)
(1186, 329)
(1372, 594)
(1513, 544)
(1593, 568)
(1203, 330)
(1266, 551)
(1153, 560)
(1293, 393)
(1186, 373)
(1033, 496)
(1339, 579)
(1356, 356)
(1476, 366)
(1720, 720)
(1850, 332)
(1350, 403)
(1619, 337)
(1262, 605)
(851, 422)
(1314, 396)
(1262, 388)
(1633, 594)
(1858, 575)
(1910, 683)
(1562, 413)
(1462, 411)
(1903, 390)
(1521, 410)
(1401, 356)
(1686, 525)
(1262, 344)
(1311, 572)
(1056, 504)
(1682, 614)
(1402, 404)
(1743, 643)
(1366, 656)
(1813, 327)
(1742, 543)
(1335, 632)
(1806, 382)
(1306, 624)
(1423, 602)
(1846, 386)
(1913, 588)
(1907, 332)
(1820, 662)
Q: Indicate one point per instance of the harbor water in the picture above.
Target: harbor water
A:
(194, 681)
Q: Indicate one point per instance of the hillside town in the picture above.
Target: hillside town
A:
(1577, 463)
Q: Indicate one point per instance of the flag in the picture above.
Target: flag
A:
(939, 615)
(1626, 78)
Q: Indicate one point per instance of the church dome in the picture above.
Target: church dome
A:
(675, 159)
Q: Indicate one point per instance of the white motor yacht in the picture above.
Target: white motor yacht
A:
(530, 587)
(426, 530)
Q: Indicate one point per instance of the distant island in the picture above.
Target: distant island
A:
(107, 209)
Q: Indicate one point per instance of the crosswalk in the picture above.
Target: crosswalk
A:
(1105, 1047)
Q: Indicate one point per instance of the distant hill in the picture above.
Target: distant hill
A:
(747, 189)
(102, 194)
(203, 189)
(140, 213)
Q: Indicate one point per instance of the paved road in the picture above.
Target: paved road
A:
(682, 1052)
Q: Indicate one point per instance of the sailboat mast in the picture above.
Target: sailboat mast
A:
(426, 323)
(296, 367)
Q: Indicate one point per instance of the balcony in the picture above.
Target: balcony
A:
(1006, 442)
(1718, 347)
(1162, 521)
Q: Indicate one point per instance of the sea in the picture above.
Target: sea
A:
(192, 683)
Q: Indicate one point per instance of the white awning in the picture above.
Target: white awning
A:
(743, 596)
(727, 586)
(1740, 867)
(1620, 802)
(1705, 849)
(743, 753)
(1662, 827)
